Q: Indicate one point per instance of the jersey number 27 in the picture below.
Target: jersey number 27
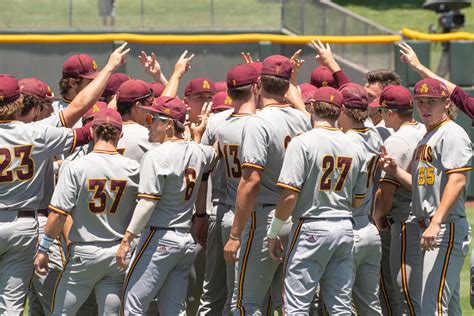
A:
(329, 163)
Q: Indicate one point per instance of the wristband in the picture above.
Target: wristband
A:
(232, 237)
(200, 215)
(275, 228)
(45, 243)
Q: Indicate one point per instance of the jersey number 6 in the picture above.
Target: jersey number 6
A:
(98, 204)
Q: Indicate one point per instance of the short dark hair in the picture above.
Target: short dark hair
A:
(274, 85)
(240, 93)
(30, 102)
(326, 111)
(106, 132)
(357, 115)
(64, 85)
(124, 107)
(178, 127)
(406, 113)
(383, 76)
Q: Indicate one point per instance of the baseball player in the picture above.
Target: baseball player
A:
(98, 191)
(321, 181)
(307, 94)
(321, 76)
(241, 80)
(264, 140)
(131, 96)
(213, 295)
(168, 190)
(115, 80)
(394, 200)
(440, 171)
(197, 92)
(77, 72)
(157, 88)
(367, 244)
(25, 152)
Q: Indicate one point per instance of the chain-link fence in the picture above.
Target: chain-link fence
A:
(142, 15)
(325, 18)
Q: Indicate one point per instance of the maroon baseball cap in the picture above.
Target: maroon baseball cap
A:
(94, 109)
(9, 89)
(277, 66)
(220, 86)
(307, 92)
(329, 95)
(355, 96)
(241, 75)
(199, 85)
(170, 107)
(80, 65)
(36, 87)
(157, 88)
(115, 80)
(108, 116)
(431, 88)
(221, 101)
(375, 103)
(133, 90)
(257, 65)
(396, 97)
(322, 77)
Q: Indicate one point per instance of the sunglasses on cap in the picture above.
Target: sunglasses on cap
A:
(150, 118)
(147, 101)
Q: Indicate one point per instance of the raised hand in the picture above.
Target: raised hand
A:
(198, 129)
(247, 57)
(408, 55)
(118, 57)
(324, 55)
(183, 64)
(150, 64)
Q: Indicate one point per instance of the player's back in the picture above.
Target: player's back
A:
(370, 142)
(264, 141)
(134, 142)
(327, 171)
(176, 168)
(25, 151)
(105, 185)
(229, 138)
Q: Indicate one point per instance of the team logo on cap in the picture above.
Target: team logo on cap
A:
(228, 101)
(50, 92)
(278, 70)
(95, 108)
(94, 65)
(1, 98)
(234, 82)
(331, 98)
(206, 85)
(443, 94)
(424, 88)
(324, 83)
(167, 110)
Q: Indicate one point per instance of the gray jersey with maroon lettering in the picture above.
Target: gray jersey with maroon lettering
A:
(134, 142)
(401, 146)
(59, 106)
(174, 182)
(218, 178)
(25, 150)
(443, 150)
(99, 192)
(370, 143)
(326, 172)
(264, 140)
(229, 138)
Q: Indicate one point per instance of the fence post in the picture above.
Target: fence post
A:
(70, 14)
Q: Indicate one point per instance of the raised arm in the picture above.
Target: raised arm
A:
(181, 67)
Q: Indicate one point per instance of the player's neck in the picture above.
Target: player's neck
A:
(272, 100)
(245, 108)
(323, 123)
(376, 119)
(103, 145)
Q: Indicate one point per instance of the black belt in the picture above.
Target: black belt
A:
(26, 214)
(43, 212)
(268, 205)
(162, 228)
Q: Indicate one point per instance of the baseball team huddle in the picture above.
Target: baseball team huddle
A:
(248, 196)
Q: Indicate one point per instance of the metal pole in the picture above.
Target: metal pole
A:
(142, 14)
(70, 14)
(213, 22)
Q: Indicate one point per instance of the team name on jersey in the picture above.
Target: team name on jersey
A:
(424, 153)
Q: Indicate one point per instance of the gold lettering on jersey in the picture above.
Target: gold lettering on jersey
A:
(206, 85)
(424, 88)
(94, 65)
(228, 101)
(424, 153)
(324, 83)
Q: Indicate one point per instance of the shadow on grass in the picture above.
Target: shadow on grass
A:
(383, 4)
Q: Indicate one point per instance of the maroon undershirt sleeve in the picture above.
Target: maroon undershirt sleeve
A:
(340, 78)
(463, 101)
(83, 134)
